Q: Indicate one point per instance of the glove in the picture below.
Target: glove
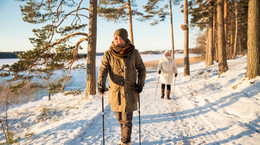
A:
(176, 75)
(102, 88)
(139, 88)
(159, 72)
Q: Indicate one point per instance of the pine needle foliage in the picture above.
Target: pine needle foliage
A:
(157, 10)
(116, 10)
(200, 11)
(61, 20)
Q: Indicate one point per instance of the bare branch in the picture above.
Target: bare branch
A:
(51, 35)
(76, 15)
(39, 7)
(68, 36)
(55, 27)
(59, 10)
(81, 15)
(79, 4)
(73, 2)
(53, 21)
(123, 6)
(75, 53)
(58, 42)
(70, 14)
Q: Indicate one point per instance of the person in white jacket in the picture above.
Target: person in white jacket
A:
(166, 68)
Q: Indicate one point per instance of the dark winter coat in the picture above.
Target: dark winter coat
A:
(124, 73)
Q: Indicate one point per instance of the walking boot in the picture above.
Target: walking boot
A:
(168, 94)
(162, 90)
(121, 143)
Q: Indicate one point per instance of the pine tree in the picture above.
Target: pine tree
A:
(242, 6)
(158, 12)
(172, 35)
(236, 29)
(91, 59)
(186, 40)
(118, 11)
(225, 16)
(235, 25)
(231, 27)
(215, 48)
(61, 21)
(253, 54)
(209, 59)
(222, 62)
(203, 12)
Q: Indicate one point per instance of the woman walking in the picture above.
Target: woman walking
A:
(166, 68)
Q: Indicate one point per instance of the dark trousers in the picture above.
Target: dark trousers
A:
(125, 122)
(168, 87)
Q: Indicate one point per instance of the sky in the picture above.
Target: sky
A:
(15, 33)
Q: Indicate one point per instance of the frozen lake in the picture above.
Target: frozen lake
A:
(78, 80)
(98, 58)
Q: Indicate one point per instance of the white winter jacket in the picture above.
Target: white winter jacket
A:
(168, 67)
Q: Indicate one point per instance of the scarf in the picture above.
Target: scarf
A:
(122, 52)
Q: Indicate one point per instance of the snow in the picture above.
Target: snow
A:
(8, 61)
(205, 109)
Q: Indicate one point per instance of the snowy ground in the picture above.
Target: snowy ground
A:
(205, 109)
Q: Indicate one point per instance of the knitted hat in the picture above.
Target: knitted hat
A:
(122, 33)
(167, 53)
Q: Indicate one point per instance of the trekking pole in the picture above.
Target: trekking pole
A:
(139, 118)
(103, 123)
(174, 86)
(157, 86)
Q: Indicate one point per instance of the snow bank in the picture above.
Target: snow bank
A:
(205, 109)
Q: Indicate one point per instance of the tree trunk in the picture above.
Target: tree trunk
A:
(231, 38)
(239, 45)
(225, 17)
(225, 28)
(49, 96)
(236, 31)
(170, 1)
(91, 55)
(222, 61)
(207, 49)
(253, 39)
(215, 48)
(258, 38)
(210, 41)
(130, 21)
(186, 41)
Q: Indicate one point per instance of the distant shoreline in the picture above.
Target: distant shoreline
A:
(13, 55)
(152, 64)
(179, 61)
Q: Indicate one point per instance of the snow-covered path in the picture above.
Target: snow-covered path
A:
(206, 109)
(158, 123)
